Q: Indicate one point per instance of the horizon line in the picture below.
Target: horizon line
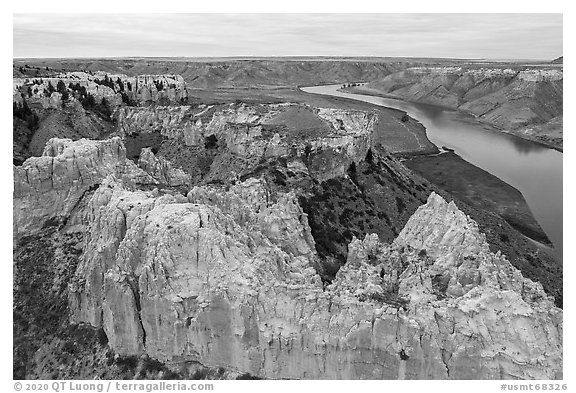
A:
(279, 57)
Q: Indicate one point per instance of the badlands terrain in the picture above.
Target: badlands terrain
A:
(208, 219)
(525, 102)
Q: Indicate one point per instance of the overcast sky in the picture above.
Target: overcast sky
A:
(491, 36)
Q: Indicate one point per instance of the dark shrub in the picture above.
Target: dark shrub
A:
(211, 142)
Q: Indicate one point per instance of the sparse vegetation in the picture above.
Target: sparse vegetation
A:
(339, 209)
(23, 111)
(51, 89)
(120, 84)
(106, 82)
(61, 88)
(159, 85)
(89, 102)
(127, 100)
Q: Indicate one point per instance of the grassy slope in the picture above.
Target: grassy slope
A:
(69, 122)
(374, 197)
(451, 173)
(378, 198)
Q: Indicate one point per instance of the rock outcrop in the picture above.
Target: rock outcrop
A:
(48, 188)
(138, 89)
(162, 170)
(225, 278)
(251, 133)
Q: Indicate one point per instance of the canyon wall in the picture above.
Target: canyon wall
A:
(526, 102)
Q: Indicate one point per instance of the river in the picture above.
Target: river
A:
(533, 169)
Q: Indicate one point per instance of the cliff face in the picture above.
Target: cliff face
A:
(52, 190)
(250, 134)
(72, 122)
(162, 171)
(526, 102)
(51, 186)
(139, 89)
(226, 278)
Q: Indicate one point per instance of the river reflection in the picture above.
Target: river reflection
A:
(535, 170)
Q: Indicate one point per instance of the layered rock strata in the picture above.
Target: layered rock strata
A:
(526, 102)
(52, 189)
(258, 132)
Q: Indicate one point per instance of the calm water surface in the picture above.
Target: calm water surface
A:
(535, 170)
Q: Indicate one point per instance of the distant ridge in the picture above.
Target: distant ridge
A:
(559, 60)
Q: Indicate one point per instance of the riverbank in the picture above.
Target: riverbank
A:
(451, 173)
(539, 139)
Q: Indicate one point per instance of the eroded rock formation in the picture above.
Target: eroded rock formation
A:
(226, 278)
(329, 138)
(139, 89)
(225, 275)
(162, 170)
(51, 186)
(188, 238)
